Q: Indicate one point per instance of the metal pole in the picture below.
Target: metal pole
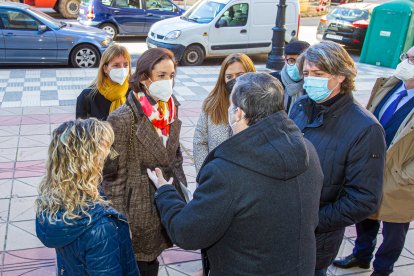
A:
(276, 59)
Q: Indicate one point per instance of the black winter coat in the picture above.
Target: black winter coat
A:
(351, 147)
(90, 104)
(255, 210)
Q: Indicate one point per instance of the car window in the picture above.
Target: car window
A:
(235, 16)
(18, 20)
(126, 4)
(161, 5)
(349, 14)
(203, 11)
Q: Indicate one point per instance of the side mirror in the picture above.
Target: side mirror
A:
(42, 28)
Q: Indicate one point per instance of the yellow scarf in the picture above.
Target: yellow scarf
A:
(114, 92)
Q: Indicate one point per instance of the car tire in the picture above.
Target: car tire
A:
(85, 56)
(110, 29)
(193, 56)
(69, 8)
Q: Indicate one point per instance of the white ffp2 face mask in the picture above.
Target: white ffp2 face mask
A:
(404, 71)
(161, 89)
(119, 75)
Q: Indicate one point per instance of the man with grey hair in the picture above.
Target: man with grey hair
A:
(349, 141)
(255, 209)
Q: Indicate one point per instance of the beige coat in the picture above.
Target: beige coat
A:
(397, 203)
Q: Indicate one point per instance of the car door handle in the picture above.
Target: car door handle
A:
(116, 11)
(9, 34)
(243, 31)
(150, 14)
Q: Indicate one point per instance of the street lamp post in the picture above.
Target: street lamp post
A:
(275, 59)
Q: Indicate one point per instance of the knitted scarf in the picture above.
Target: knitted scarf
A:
(161, 115)
(114, 92)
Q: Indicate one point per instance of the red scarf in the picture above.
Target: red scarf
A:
(161, 115)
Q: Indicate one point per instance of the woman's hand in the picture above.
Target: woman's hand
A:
(157, 178)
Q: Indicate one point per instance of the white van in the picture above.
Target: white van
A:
(213, 28)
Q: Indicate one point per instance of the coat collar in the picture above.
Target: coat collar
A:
(149, 138)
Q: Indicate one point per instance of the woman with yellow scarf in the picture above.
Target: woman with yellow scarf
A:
(110, 88)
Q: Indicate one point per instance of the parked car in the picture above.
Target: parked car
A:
(341, 2)
(126, 17)
(221, 27)
(29, 36)
(346, 24)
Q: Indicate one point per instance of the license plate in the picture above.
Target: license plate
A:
(151, 46)
(81, 12)
(336, 37)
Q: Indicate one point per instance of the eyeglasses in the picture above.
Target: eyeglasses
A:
(290, 61)
(410, 59)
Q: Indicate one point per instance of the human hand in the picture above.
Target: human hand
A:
(157, 178)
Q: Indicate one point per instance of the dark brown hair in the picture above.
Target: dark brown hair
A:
(145, 65)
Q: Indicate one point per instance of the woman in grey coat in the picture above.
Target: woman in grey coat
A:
(212, 126)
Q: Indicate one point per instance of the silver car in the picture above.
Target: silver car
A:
(29, 36)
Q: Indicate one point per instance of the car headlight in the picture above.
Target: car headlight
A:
(172, 35)
(107, 41)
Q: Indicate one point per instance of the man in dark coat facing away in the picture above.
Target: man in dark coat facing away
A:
(256, 208)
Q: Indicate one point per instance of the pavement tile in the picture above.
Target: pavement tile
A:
(21, 209)
(8, 154)
(4, 211)
(5, 188)
(32, 153)
(34, 141)
(60, 118)
(33, 262)
(35, 119)
(8, 142)
(22, 235)
(10, 120)
(25, 187)
(38, 129)
(29, 169)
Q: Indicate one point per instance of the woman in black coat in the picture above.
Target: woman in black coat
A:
(110, 88)
(349, 141)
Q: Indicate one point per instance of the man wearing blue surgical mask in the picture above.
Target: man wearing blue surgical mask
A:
(290, 77)
(350, 144)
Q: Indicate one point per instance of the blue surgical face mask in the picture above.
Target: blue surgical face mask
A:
(293, 72)
(317, 88)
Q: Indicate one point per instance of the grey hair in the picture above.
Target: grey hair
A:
(258, 95)
(333, 59)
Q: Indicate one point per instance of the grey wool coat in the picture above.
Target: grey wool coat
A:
(130, 190)
(207, 136)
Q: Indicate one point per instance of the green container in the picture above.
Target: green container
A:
(390, 33)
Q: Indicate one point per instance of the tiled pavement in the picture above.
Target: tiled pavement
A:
(33, 102)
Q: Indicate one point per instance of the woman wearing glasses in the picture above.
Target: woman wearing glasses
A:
(290, 78)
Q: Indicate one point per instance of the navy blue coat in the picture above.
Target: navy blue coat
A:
(256, 208)
(351, 147)
(101, 247)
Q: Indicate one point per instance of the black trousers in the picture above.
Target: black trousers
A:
(389, 251)
(148, 268)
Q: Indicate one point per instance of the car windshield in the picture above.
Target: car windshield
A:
(203, 11)
(349, 14)
(55, 24)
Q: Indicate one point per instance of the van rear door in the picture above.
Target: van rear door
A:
(264, 18)
(230, 31)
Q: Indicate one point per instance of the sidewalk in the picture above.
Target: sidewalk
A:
(34, 101)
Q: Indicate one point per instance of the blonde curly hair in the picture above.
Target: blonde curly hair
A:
(76, 158)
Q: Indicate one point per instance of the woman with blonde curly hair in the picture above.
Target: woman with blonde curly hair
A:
(90, 237)
(212, 126)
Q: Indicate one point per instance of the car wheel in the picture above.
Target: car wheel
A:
(109, 29)
(69, 8)
(85, 56)
(193, 55)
